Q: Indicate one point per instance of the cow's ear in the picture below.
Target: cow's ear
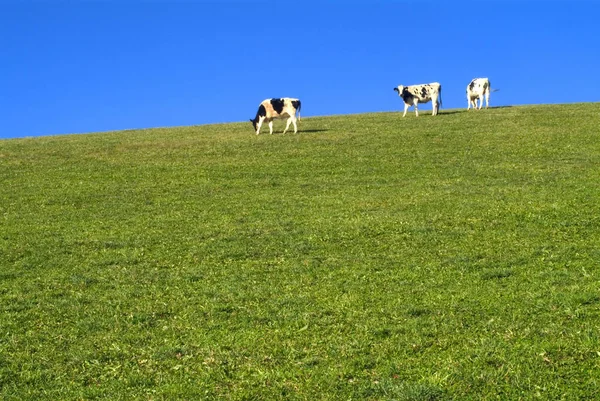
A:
(396, 89)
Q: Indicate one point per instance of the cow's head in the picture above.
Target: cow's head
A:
(399, 89)
(254, 121)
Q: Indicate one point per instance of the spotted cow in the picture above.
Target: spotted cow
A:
(415, 94)
(270, 109)
(477, 89)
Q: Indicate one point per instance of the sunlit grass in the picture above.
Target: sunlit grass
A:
(367, 257)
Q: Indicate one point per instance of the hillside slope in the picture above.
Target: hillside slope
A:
(367, 257)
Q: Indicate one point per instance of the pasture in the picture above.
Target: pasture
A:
(368, 257)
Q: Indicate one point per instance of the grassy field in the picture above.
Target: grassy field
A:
(368, 257)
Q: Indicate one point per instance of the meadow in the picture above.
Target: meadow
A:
(368, 257)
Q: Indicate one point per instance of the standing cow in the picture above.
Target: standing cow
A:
(415, 94)
(270, 109)
(477, 90)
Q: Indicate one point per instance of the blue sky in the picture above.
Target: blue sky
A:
(89, 66)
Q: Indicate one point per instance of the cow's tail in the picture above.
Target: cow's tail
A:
(440, 96)
(298, 110)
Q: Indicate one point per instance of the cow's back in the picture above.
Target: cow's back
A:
(436, 88)
(478, 86)
(425, 92)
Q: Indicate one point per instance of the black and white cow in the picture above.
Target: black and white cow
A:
(270, 109)
(415, 94)
(477, 90)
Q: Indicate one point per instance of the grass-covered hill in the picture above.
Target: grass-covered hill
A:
(368, 257)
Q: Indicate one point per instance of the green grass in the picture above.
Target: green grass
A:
(369, 257)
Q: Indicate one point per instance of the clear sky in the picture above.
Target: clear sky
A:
(88, 66)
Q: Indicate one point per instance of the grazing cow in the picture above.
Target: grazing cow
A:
(270, 109)
(477, 90)
(415, 94)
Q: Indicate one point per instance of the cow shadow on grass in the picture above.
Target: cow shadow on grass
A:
(300, 131)
(456, 111)
(441, 113)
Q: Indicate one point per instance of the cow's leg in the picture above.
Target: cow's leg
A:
(405, 109)
(287, 124)
(295, 126)
(469, 102)
(259, 124)
(271, 127)
(416, 107)
(473, 103)
(435, 106)
(480, 102)
(487, 99)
